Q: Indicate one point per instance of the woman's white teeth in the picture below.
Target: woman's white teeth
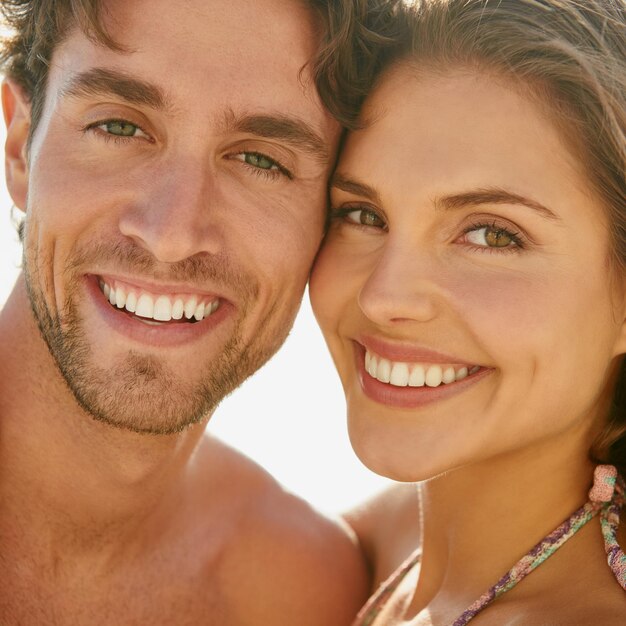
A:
(399, 375)
(384, 371)
(414, 374)
(434, 376)
(448, 375)
(159, 308)
(417, 378)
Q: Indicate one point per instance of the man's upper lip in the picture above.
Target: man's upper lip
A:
(157, 287)
(409, 353)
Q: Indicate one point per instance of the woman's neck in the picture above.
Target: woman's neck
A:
(479, 520)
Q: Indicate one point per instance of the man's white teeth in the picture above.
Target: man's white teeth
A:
(199, 314)
(131, 302)
(120, 298)
(159, 308)
(162, 309)
(414, 374)
(145, 306)
(178, 309)
(190, 307)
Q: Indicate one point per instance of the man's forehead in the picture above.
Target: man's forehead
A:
(207, 58)
(263, 28)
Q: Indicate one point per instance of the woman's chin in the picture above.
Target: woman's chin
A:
(396, 462)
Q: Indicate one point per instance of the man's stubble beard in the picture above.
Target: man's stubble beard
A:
(141, 394)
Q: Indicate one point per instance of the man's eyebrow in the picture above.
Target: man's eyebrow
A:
(354, 187)
(288, 129)
(102, 81)
(493, 195)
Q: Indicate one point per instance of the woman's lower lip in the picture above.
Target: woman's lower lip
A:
(160, 335)
(409, 397)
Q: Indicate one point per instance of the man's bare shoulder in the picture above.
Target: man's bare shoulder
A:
(281, 561)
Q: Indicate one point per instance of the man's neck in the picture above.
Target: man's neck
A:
(71, 478)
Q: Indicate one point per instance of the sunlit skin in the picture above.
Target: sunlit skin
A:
(464, 223)
(194, 188)
(195, 161)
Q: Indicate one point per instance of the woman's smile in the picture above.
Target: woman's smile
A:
(443, 236)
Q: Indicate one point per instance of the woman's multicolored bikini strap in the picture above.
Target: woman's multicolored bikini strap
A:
(606, 497)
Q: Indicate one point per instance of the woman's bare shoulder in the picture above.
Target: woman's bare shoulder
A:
(609, 609)
(388, 528)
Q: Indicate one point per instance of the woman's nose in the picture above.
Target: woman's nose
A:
(402, 287)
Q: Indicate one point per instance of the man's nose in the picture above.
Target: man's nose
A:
(404, 286)
(174, 218)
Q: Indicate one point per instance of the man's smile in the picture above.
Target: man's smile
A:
(158, 306)
(158, 315)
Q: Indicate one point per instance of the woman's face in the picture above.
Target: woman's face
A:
(464, 287)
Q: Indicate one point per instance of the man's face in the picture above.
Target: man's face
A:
(186, 176)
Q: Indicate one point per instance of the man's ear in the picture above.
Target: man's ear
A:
(16, 108)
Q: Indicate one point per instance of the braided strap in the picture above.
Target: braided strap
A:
(544, 549)
(609, 519)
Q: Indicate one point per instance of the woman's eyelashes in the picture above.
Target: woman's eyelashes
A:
(483, 235)
(493, 236)
(124, 131)
(360, 216)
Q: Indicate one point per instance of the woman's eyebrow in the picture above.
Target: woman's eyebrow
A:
(355, 187)
(474, 197)
(493, 195)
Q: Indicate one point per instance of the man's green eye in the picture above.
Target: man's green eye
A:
(121, 128)
(260, 161)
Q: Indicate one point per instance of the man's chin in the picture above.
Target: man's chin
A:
(147, 402)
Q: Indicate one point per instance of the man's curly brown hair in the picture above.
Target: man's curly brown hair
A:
(352, 39)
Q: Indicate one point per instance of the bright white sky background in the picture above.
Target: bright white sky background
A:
(289, 417)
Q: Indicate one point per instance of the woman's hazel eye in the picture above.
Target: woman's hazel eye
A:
(365, 218)
(491, 237)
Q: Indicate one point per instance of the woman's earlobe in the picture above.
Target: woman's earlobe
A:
(16, 109)
(620, 344)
